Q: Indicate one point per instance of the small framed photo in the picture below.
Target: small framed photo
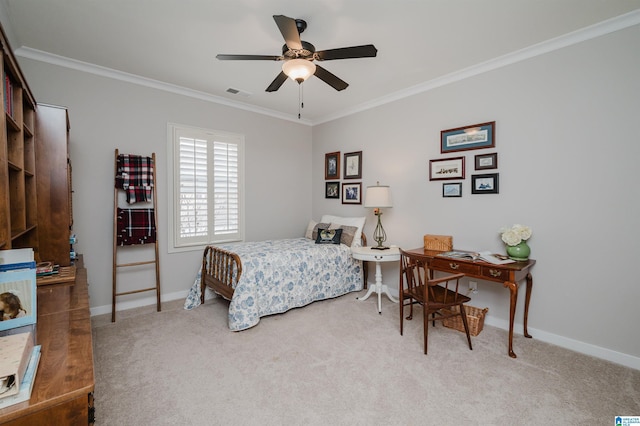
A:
(353, 165)
(332, 165)
(446, 168)
(452, 189)
(477, 136)
(486, 161)
(484, 184)
(332, 190)
(352, 193)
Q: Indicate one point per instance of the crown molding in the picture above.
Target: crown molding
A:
(597, 30)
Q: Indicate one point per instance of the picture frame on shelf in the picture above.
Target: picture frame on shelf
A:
(447, 168)
(485, 184)
(353, 165)
(476, 136)
(332, 190)
(352, 193)
(332, 165)
(486, 161)
(452, 189)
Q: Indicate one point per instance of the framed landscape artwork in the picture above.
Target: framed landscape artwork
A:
(476, 136)
(452, 189)
(446, 168)
(484, 184)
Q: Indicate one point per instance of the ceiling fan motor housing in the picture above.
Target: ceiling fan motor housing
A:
(306, 52)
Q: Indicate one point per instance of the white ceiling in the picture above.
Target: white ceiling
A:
(419, 42)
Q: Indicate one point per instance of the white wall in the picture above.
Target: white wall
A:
(106, 114)
(568, 152)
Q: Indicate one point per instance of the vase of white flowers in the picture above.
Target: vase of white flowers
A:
(516, 238)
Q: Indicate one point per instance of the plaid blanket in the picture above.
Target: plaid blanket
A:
(136, 226)
(135, 176)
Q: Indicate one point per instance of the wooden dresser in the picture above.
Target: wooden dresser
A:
(63, 388)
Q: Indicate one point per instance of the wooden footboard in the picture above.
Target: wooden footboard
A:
(221, 271)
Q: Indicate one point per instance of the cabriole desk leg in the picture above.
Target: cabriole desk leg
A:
(526, 304)
(513, 289)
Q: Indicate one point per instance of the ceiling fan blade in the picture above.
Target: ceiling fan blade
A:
(289, 31)
(330, 78)
(365, 51)
(223, 57)
(275, 84)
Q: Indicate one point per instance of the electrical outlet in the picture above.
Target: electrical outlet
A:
(473, 287)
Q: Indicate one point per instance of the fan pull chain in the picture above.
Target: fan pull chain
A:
(300, 99)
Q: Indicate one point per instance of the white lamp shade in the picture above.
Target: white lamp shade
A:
(378, 196)
(299, 69)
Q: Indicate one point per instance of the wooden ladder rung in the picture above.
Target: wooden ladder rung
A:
(135, 291)
(122, 265)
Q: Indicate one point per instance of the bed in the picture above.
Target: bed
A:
(270, 277)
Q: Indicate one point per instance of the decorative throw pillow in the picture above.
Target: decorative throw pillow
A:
(329, 236)
(348, 233)
(314, 233)
(310, 228)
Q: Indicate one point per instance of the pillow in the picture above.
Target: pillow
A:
(328, 236)
(321, 225)
(310, 228)
(348, 232)
(348, 221)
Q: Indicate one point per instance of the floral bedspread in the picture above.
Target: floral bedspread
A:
(279, 275)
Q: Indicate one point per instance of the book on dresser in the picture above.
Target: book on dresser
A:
(26, 385)
(18, 302)
(15, 352)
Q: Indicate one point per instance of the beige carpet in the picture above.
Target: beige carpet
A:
(338, 362)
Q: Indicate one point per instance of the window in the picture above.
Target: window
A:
(206, 188)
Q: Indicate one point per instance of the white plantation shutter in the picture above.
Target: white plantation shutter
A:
(207, 186)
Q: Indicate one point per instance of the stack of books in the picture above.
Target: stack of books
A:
(19, 360)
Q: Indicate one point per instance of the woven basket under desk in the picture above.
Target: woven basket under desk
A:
(475, 319)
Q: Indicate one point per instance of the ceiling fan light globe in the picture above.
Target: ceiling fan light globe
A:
(298, 69)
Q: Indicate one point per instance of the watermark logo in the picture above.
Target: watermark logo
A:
(627, 420)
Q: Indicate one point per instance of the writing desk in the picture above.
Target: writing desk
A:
(509, 274)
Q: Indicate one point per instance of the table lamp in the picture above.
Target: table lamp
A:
(377, 197)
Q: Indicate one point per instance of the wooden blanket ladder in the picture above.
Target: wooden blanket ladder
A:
(135, 180)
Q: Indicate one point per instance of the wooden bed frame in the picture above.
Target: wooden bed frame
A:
(218, 266)
(217, 272)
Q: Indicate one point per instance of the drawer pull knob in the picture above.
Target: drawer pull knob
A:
(454, 265)
(495, 272)
(378, 257)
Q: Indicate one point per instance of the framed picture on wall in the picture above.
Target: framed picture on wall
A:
(484, 184)
(446, 168)
(332, 190)
(452, 189)
(332, 165)
(353, 165)
(352, 193)
(476, 136)
(486, 161)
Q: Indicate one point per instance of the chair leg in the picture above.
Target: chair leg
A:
(466, 326)
(425, 321)
(401, 312)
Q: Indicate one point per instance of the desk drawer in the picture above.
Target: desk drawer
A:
(452, 265)
(493, 273)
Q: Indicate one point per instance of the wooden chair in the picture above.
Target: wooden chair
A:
(436, 299)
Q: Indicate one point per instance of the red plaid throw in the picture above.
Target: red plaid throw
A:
(135, 175)
(136, 226)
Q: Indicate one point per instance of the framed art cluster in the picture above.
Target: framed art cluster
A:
(460, 139)
(352, 169)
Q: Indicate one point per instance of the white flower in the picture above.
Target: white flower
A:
(516, 234)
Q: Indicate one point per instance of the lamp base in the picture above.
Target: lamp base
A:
(379, 248)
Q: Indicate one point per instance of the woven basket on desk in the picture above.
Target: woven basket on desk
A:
(438, 242)
(475, 319)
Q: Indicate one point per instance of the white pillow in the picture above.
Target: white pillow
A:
(358, 222)
(309, 232)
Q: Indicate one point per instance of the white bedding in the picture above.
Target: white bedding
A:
(279, 275)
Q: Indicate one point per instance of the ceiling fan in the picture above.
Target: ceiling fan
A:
(299, 56)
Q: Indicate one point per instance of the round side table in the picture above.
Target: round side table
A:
(378, 256)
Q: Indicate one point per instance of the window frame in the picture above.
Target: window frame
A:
(175, 242)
